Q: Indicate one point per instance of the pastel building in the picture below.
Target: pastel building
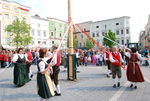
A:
(57, 29)
(9, 11)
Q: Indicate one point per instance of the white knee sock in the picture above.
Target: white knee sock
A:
(114, 80)
(54, 86)
(58, 89)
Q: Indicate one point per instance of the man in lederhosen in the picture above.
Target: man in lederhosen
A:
(106, 57)
(116, 60)
(56, 70)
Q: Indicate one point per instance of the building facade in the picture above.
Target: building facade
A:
(121, 26)
(57, 29)
(81, 37)
(147, 34)
(39, 32)
(142, 39)
(9, 11)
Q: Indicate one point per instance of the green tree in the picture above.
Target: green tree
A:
(20, 31)
(109, 39)
(89, 44)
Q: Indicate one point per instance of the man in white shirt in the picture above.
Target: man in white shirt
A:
(116, 60)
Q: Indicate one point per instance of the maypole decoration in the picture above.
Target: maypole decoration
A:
(72, 61)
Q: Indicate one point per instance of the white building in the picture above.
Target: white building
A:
(39, 32)
(121, 26)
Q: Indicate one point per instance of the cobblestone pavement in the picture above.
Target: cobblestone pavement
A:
(91, 85)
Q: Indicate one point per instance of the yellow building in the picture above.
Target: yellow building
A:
(9, 11)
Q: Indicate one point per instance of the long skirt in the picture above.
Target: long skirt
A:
(44, 85)
(134, 73)
(20, 75)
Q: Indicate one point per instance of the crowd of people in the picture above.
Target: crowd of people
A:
(48, 65)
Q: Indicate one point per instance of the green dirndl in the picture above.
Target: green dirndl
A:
(44, 85)
(20, 75)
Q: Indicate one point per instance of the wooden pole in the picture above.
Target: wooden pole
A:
(70, 36)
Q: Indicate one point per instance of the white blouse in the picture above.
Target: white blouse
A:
(44, 62)
(15, 57)
(138, 55)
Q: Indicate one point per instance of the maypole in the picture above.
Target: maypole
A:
(71, 62)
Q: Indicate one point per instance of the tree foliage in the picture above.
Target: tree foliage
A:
(20, 32)
(89, 44)
(112, 36)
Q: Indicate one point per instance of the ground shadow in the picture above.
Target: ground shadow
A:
(102, 88)
(20, 95)
(5, 85)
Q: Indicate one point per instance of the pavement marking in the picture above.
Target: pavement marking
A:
(147, 80)
(3, 70)
(119, 92)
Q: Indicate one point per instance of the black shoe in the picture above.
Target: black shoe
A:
(114, 86)
(135, 87)
(78, 71)
(118, 85)
(107, 75)
(131, 85)
(31, 75)
(57, 94)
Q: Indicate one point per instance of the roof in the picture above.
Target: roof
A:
(113, 19)
(56, 19)
(16, 3)
(38, 17)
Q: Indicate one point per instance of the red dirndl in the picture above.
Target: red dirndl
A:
(134, 73)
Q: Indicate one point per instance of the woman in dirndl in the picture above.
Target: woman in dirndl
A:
(20, 74)
(44, 83)
(134, 73)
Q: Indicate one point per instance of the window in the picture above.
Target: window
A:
(15, 17)
(122, 42)
(24, 19)
(117, 32)
(44, 33)
(127, 31)
(97, 26)
(32, 42)
(6, 16)
(39, 42)
(32, 32)
(16, 10)
(103, 33)
(44, 42)
(38, 25)
(122, 31)
(52, 33)
(39, 33)
(97, 34)
(80, 44)
(7, 7)
(53, 42)
(118, 41)
(117, 24)
(93, 35)
(127, 41)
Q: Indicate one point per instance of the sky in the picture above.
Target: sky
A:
(94, 10)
